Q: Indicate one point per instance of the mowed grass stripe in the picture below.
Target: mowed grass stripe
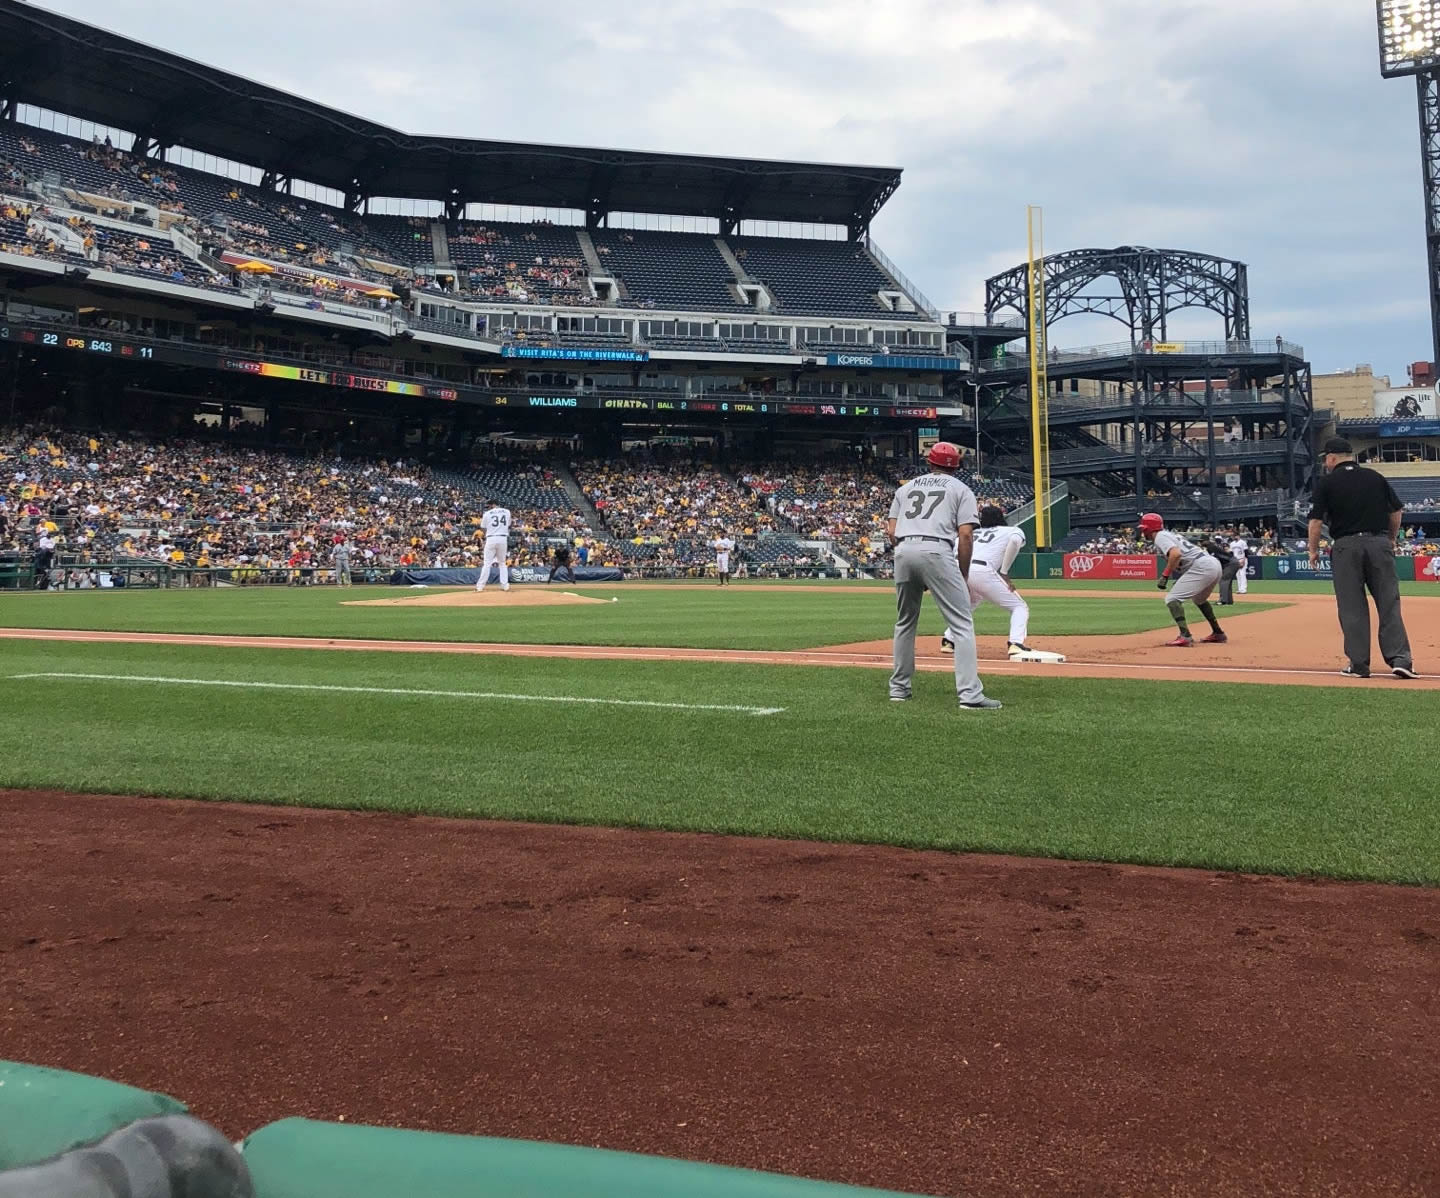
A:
(500, 696)
(710, 618)
(1159, 773)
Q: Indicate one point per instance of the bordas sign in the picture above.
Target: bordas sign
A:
(1109, 565)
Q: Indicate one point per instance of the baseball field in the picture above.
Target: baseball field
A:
(1168, 923)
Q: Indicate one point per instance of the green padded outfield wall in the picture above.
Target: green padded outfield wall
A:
(298, 1158)
(44, 1112)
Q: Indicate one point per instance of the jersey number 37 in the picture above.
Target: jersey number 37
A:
(918, 504)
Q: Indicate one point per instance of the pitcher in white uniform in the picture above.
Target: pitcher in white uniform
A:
(496, 523)
(996, 547)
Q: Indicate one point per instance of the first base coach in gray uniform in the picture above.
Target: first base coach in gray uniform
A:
(932, 523)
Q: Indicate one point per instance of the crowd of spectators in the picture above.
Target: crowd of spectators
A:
(843, 504)
(668, 510)
(513, 265)
(1411, 542)
(106, 498)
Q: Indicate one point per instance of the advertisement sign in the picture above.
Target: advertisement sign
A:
(574, 355)
(1297, 568)
(1405, 403)
(80, 342)
(885, 361)
(1427, 569)
(1410, 428)
(1109, 565)
(1169, 347)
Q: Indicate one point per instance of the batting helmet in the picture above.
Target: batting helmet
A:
(944, 455)
(1151, 522)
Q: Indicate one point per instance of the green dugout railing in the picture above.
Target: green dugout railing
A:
(45, 1113)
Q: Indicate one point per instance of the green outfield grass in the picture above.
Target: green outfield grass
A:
(1235, 777)
(710, 618)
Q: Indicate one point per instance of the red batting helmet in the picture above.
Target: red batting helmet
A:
(944, 455)
(1151, 522)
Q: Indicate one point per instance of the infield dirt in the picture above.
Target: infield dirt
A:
(954, 1025)
(1295, 645)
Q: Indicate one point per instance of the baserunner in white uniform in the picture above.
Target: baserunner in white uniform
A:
(1196, 573)
(996, 547)
(932, 525)
(723, 547)
(496, 523)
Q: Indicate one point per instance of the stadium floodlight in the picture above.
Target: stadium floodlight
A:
(1409, 36)
(1410, 45)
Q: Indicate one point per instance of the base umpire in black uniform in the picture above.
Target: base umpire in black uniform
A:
(1364, 515)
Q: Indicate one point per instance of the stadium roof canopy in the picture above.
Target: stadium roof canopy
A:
(66, 66)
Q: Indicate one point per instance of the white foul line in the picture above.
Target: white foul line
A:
(387, 690)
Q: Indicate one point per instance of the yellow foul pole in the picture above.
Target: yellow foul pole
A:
(1039, 376)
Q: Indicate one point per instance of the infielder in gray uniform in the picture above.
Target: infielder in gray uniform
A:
(931, 524)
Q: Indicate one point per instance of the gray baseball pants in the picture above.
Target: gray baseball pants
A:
(931, 565)
(1366, 561)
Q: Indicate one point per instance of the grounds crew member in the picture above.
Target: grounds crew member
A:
(1364, 515)
(931, 525)
(1196, 573)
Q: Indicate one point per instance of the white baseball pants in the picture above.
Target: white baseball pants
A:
(986, 586)
(495, 549)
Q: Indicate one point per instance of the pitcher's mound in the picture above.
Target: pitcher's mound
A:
(531, 596)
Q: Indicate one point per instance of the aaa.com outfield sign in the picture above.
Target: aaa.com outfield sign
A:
(1427, 569)
(1109, 565)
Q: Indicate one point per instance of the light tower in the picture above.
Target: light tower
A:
(1410, 45)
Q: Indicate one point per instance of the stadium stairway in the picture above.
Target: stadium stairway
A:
(731, 261)
(440, 244)
(592, 259)
(578, 498)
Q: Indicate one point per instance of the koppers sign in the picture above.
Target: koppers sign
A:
(1108, 565)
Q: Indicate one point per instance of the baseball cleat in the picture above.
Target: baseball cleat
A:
(1180, 642)
(1403, 672)
(1216, 638)
(982, 705)
(1018, 647)
(1352, 672)
(899, 698)
(947, 645)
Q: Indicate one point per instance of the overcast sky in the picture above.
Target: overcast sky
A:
(1252, 129)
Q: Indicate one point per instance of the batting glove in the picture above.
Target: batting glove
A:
(1162, 584)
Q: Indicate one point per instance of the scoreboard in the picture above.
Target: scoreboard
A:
(183, 354)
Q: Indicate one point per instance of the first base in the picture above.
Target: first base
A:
(1038, 655)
